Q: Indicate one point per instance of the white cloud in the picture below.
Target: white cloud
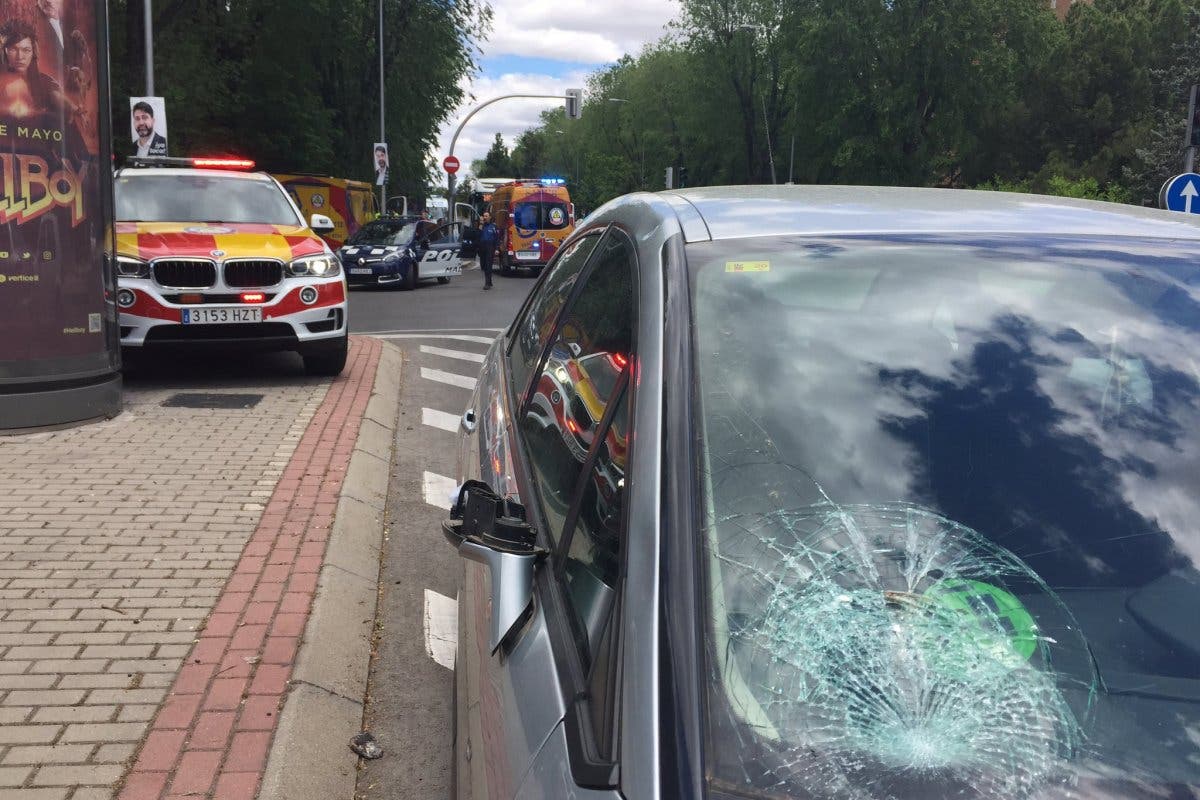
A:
(572, 31)
(576, 30)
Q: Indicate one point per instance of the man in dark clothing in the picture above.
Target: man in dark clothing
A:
(489, 234)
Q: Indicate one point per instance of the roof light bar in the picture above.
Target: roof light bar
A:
(222, 163)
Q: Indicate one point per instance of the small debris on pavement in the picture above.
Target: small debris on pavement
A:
(365, 745)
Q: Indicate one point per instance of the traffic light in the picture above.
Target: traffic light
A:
(667, 175)
(574, 103)
(682, 177)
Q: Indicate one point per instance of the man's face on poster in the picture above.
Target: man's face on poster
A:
(143, 123)
(381, 159)
(20, 54)
(51, 8)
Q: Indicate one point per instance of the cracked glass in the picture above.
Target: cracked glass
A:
(951, 517)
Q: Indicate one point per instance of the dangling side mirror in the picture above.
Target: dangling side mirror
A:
(492, 531)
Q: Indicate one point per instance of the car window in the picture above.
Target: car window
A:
(201, 198)
(949, 514)
(561, 419)
(589, 562)
(532, 333)
(526, 216)
(555, 216)
(385, 232)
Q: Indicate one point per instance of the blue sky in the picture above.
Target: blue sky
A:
(545, 47)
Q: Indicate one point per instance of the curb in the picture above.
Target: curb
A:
(310, 758)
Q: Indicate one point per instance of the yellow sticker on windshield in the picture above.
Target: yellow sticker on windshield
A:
(747, 266)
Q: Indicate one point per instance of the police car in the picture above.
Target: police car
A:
(403, 251)
(209, 253)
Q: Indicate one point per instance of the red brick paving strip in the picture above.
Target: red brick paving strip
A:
(212, 735)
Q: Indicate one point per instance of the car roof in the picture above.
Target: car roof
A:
(126, 172)
(732, 212)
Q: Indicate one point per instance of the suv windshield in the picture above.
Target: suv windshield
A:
(385, 232)
(952, 516)
(146, 197)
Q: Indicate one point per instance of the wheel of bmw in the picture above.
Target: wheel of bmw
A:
(410, 280)
(326, 358)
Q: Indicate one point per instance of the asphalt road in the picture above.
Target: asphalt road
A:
(408, 707)
(461, 303)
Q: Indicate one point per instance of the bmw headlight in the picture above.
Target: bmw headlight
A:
(322, 266)
(129, 267)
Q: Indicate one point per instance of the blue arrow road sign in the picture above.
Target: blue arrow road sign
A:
(1181, 193)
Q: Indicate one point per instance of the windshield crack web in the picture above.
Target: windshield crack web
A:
(884, 651)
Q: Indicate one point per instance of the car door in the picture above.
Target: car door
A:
(565, 370)
(440, 252)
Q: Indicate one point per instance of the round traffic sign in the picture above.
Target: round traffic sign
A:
(450, 164)
(1180, 193)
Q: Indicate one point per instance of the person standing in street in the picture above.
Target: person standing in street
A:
(489, 234)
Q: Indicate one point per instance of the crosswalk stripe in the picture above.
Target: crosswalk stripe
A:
(439, 419)
(461, 355)
(462, 337)
(451, 378)
(437, 489)
(441, 627)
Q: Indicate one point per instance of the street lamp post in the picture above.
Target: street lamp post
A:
(382, 130)
(148, 24)
(450, 178)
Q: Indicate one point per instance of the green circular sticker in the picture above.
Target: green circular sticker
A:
(995, 609)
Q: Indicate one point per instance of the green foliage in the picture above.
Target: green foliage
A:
(497, 163)
(907, 92)
(294, 84)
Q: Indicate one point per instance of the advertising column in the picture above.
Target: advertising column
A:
(59, 341)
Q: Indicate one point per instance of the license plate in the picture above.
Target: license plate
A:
(221, 314)
(361, 271)
(528, 255)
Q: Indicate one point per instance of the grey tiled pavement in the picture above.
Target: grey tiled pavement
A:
(115, 540)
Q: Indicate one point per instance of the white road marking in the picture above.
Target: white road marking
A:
(459, 336)
(438, 490)
(461, 355)
(462, 381)
(441, 627)
(439, 419)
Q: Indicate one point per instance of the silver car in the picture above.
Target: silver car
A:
(799, 492)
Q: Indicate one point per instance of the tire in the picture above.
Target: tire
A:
(413, 277)
(536, 270)
(326, 359)
(505, 267)
(443, 280)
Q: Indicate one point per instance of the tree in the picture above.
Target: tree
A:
(497, 163)
(248, 77)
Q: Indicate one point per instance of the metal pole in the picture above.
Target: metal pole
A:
(450, 179)
(792, 158)
(767, 128)
(382, 129)
(148, 24)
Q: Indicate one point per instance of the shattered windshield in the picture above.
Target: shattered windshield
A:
(952, 517)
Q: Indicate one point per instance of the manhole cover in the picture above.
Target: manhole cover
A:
(212, 400)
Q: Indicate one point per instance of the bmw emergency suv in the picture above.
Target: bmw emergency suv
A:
(211, 256)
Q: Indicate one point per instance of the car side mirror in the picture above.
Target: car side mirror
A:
(492, 531)
(320, 223)
(424, 243)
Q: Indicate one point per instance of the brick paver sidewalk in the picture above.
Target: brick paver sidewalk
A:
(116, 541)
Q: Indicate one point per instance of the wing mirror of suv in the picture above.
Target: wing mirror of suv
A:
(492, 531)
(320, 223)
